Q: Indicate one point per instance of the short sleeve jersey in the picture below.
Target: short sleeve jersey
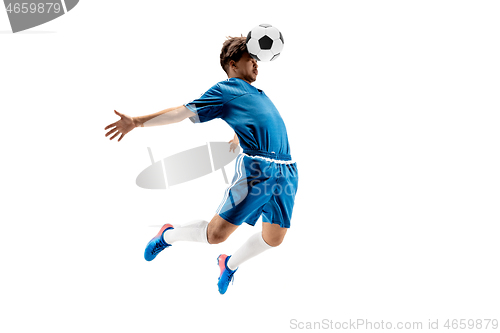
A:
(248, 111)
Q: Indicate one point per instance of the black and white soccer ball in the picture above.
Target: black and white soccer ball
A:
(265, 42)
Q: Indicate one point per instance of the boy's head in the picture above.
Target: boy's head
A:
(236, 61)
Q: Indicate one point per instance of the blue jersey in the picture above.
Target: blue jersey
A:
(249, 112)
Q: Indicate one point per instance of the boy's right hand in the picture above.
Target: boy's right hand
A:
(123, 126)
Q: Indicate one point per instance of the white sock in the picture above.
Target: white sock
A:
(253, 246)
(194, 231)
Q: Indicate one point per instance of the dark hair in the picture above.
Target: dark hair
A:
(232, 49)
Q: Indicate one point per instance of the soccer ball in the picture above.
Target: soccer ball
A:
(265, 42)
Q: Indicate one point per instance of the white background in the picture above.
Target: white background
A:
(392, 111)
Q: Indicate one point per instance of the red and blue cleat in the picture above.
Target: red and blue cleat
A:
(157, 244)
(226, 274)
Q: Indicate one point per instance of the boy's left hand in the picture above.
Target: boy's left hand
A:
(234, 145)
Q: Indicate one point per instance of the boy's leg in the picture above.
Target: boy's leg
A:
(272, 235)
(217, 231)
(277, 208)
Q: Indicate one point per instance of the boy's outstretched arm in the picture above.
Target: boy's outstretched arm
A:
(164, 117)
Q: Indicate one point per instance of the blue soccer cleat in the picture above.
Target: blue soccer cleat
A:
(226, 275)
(157, 244)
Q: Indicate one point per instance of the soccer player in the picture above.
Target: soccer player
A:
(265, 180)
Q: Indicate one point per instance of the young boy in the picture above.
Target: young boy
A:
(265, 180)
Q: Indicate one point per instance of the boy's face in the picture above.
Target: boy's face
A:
(246, 68)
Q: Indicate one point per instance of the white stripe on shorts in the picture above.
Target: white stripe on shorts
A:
(239, 172)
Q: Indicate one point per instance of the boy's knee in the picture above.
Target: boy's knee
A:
(216, 236)
(219, 230)
(274, 240)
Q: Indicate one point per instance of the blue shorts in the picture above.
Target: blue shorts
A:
(260, 185)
